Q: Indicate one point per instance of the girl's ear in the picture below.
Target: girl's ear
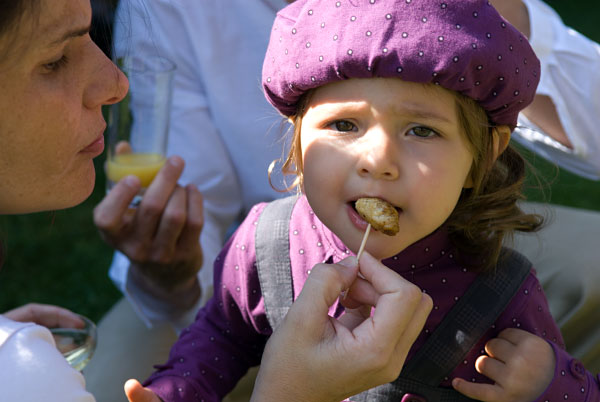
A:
(501, 139)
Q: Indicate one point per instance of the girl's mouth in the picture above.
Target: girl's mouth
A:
(380, 214)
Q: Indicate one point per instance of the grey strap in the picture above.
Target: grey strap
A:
(273, 258)
(473, 314)
(456, 335)
(397, 390)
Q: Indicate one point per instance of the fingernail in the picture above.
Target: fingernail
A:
(131, 181)
(176, 161)
(349, 262)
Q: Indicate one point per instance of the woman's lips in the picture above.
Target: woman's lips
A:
(95, 148)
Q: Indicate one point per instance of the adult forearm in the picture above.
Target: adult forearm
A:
(515, 12)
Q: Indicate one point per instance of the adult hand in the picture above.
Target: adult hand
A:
(521, 365)
(45, 315)
(161, 236)
(314, 357)
(136, 393)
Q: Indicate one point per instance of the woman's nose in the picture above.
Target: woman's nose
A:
(379, 156)
(109, 85)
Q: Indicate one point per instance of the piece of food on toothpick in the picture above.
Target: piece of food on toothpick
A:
(379, 213)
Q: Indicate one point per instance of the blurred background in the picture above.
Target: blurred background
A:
(59, 258)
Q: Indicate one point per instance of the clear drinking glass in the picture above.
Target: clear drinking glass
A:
(138, 126)
(77, 345)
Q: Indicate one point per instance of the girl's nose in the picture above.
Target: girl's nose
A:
(108, 85)
(379, 156)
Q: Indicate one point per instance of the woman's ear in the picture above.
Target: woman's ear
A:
(501, 138)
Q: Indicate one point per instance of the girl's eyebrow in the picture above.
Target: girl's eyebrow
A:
(424, 113)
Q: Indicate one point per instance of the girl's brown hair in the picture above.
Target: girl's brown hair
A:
(485, 214)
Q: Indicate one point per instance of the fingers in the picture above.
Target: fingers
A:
(170, 225)
(513, 335)
(416, 325)
(136, 393)
(108, 214)
(491, 368)
(46, 315)
(123, 147)
(401, 308)
(478, 391)
(195, 218)
(321, 290)
(500, 349)
(157, 195)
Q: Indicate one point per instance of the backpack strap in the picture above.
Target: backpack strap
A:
(272, 242)
(455, 336)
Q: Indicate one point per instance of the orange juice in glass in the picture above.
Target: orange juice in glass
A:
(143, 165)
(138, 126)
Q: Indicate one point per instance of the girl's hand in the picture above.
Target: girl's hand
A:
(521, 365)
(136, 393)
(314, 357)
(45, 315)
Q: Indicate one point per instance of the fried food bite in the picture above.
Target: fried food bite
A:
(379, 213)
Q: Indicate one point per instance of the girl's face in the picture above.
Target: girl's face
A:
(386, 138)
(53, 83)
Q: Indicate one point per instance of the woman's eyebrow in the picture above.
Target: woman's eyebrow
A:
(72, 33)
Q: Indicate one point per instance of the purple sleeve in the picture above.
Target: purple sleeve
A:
(529, 311)
(229, 333)
(571, 381)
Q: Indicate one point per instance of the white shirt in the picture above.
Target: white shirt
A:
(33, 370)
(228, 134)
(570, 66)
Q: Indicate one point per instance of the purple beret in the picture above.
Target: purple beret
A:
(462, 45)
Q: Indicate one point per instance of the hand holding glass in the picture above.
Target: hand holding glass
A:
(76, 345)
(138, 126)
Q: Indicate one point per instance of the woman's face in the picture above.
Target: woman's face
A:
(53, 83)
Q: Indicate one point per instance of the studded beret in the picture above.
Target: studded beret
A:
(462, 45)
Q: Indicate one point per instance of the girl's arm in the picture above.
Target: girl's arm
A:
(527, 360)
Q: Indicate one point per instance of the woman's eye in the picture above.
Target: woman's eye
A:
(57, 64)
(343, 125)
(422, 132)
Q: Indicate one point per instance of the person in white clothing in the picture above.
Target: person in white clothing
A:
(225, 131)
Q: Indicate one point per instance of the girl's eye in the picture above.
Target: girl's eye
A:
(57, 64)
(343, 125)
(422, 132)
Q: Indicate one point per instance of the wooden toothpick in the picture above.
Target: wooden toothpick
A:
(364, 242)
(360, 251)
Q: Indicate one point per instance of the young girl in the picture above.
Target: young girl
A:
(411, 102)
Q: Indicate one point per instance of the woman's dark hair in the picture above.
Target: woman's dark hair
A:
(11, 13)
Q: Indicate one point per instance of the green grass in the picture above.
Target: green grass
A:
(58, 257)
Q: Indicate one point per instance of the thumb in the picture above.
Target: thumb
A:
(323, 287)
(136, 393)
